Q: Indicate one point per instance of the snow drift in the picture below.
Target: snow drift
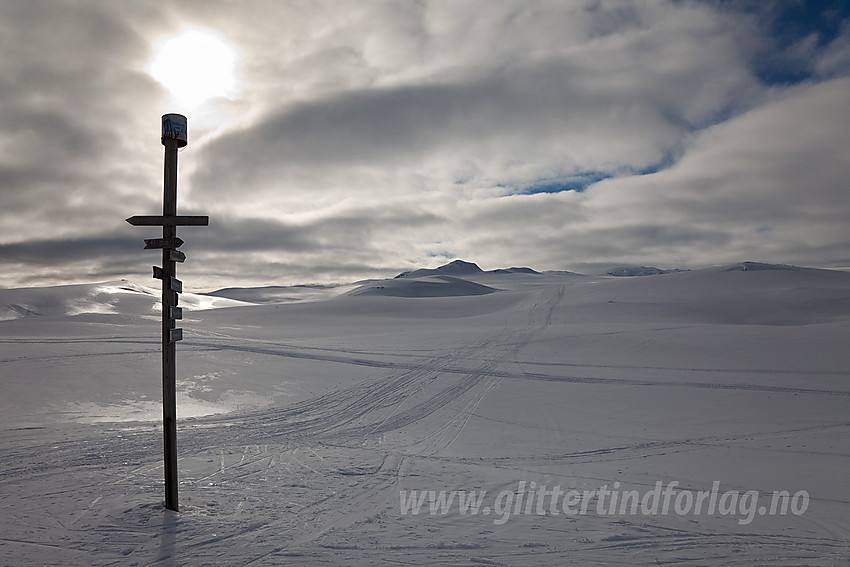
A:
(434, 286)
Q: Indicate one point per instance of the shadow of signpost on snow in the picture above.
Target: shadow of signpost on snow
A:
(167, 538)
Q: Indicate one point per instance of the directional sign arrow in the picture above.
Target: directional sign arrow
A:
(175, 242)
(177, 220)
(177, 256)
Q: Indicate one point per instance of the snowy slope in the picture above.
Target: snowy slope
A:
(281, 294)
(115, 297)
(305, 427)
(430, 286)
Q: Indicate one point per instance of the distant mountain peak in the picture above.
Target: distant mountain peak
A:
(629, 271)
(453, 268)
(515, 270)
(460, 265)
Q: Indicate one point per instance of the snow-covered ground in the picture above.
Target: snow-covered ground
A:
(310, 431)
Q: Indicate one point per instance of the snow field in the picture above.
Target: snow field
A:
(301, 423)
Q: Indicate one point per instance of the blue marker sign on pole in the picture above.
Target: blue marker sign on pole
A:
(174, 127)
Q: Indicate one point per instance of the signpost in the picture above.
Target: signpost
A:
(174, 136)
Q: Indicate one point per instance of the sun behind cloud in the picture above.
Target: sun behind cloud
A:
(196, 65)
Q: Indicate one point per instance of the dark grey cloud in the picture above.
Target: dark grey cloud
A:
(56, 251)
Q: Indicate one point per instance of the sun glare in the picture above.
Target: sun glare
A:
(196, 66)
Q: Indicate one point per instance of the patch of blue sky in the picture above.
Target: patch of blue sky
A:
(579, 182)
(797, 30)
(820, 19)
(788, 24)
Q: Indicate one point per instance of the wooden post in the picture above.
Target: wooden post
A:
(174, 136)
(169, 300)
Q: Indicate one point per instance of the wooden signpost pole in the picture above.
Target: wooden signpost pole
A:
(169, 300)
(174, 136)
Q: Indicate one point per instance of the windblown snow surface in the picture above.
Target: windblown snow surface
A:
(309, 431)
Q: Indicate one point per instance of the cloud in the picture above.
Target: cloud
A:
(68, 124)
(381, 136)
(768, 184)
(544, 104)
(834, 59)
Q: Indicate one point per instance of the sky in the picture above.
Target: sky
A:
(332, 141)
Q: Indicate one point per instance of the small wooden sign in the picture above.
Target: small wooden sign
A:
(176, 256)
(175, 285)
(172, 243)
(176, 313)
(175, 335)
